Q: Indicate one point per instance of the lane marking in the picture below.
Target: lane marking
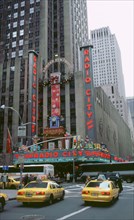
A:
(73, 213)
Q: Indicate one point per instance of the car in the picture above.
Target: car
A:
(40, 191)
(12, 183)
(100, 191)
(113, 176)
(3, 199)
(84, 175)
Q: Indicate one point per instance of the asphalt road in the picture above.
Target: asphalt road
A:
(72, 207)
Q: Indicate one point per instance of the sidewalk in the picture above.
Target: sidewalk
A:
(12, 193)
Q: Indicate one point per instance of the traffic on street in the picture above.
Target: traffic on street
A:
(72, 207)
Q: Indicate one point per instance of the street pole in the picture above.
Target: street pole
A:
(73, 169)
(21, 171)
(21, 162)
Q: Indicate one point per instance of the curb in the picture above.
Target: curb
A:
(12, 199)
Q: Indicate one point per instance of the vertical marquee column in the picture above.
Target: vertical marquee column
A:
(55, 99)
(86, 54)
(32, 93)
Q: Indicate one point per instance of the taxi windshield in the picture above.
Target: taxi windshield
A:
(104, 185)
(37, 185)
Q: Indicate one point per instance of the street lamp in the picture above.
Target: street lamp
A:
(74, 158)
(21, 122)
(7, 107)
(3, 107)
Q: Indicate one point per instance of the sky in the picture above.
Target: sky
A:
(119, 16)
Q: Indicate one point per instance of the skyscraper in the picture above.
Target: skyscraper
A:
(107, 64)
(49, 28)
(107, 68)
(130, 103)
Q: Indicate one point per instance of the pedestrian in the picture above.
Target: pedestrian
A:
(31, 178)
(4, 178)
(87, 180)
(119, 184)
(25, 179)
(68, 177)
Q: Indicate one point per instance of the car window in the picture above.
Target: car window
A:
(53, 185)
(104, 185)
(57, 186)
(17, 179)
(113, 185)
(37, 185)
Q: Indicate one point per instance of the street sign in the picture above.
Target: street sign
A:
(22, 131)
(5, 168)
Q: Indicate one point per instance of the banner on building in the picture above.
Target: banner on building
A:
(9, 142)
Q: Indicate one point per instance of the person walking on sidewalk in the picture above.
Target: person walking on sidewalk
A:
(68, 177)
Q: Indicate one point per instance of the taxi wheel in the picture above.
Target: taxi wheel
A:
(62, 197)
(86, 203)
(112, 201)
(117, 197)
(1, 207)
(25, 203)
(51, 200)
(13, 187)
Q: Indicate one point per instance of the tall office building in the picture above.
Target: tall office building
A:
(32, 33)
(107, 65)
(130, 103)
(107, 68)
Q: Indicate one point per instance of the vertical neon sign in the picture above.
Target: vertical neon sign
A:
(32, 93)
(89, 92)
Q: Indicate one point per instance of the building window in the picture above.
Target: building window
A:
(31, 1)
(21, 22)
(22, 4)
(14, 24)
(15, 15)
(13, 54)
(3, 87)
(20, 53)
(31, 10)
(21, 32)
(16, 6)
(11, 85)
(14, 44)
(20, 42)
(22, 98)
(22, 13)
(14, 34)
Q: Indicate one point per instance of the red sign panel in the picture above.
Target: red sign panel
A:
(55, 100)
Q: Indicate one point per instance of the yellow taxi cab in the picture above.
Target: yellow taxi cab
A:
(12, 183)
(40, 191)
(100, 191)
(3, 199)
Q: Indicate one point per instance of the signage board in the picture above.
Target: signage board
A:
(22, 131)
(51, 146)
(5, 168)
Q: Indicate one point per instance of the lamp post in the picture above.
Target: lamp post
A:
(74, 157)
(4, 107)
(21, 122)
